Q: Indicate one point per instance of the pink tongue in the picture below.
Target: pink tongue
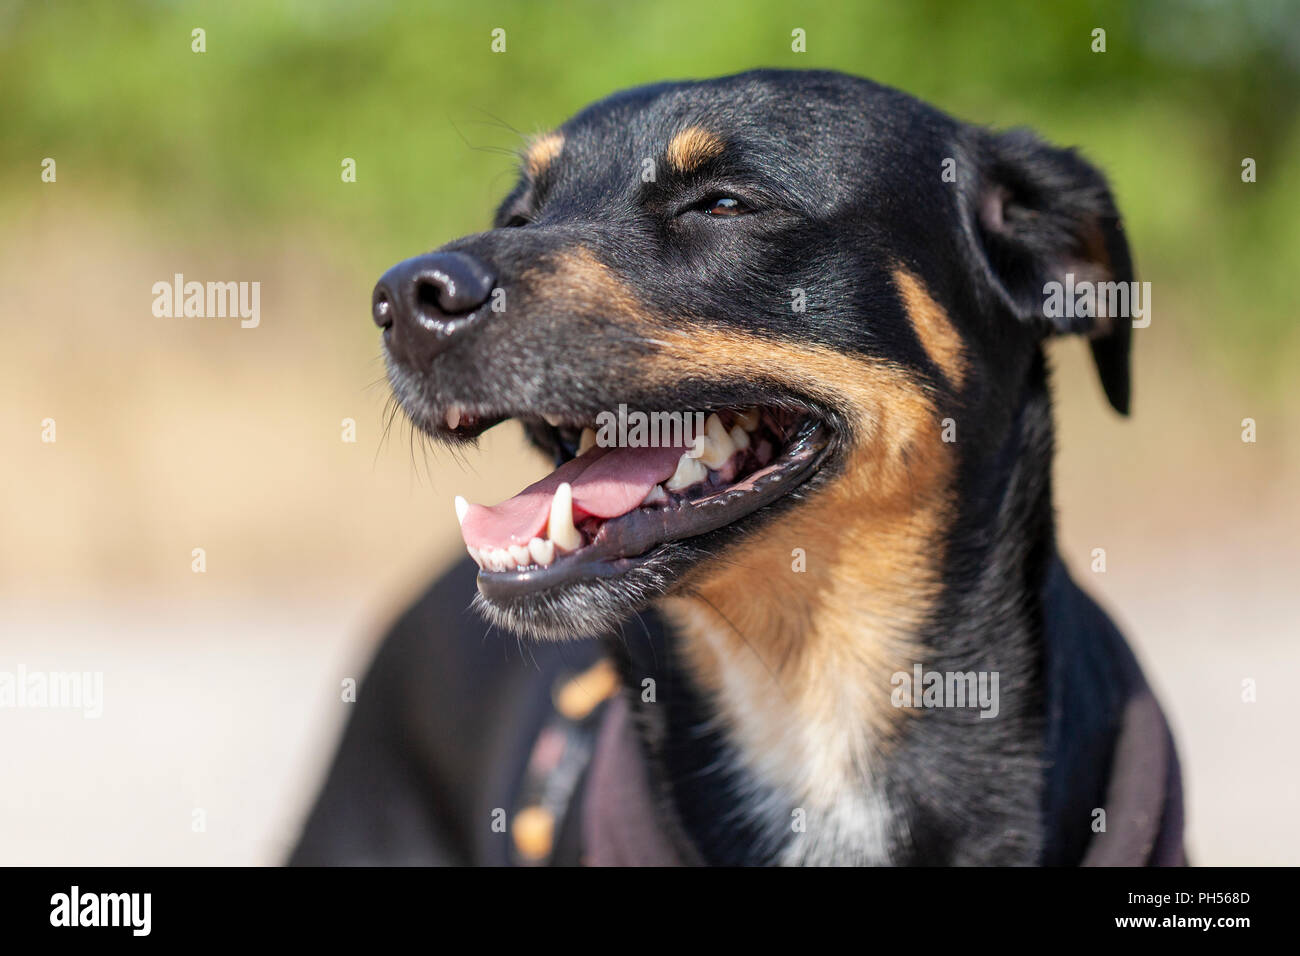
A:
(606, 483)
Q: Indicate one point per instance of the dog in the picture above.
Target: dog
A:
(847, 285)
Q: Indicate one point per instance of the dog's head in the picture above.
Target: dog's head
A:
(829, 272)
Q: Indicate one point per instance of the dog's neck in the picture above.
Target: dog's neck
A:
(778, 740)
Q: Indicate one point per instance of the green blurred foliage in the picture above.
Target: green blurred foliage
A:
(246, 139)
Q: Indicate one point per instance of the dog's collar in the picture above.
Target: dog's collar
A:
(624, 824)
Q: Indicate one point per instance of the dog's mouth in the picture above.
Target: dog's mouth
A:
(624, 494)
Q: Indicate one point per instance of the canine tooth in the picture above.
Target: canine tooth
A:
(453, 417)
(690, 471)
(520, 554)
(718, 446)
(654, 496)
(587, 441)
(560, 528)
(748, 419)
(462, 509)
(739, 437)
(552, 420)
(542, 551)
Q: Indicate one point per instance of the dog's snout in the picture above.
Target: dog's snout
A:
(426, 300)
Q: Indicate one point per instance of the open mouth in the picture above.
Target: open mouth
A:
(613, 504)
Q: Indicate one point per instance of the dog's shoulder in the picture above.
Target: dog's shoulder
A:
(1090, 677)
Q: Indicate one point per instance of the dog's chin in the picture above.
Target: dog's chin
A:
(587, 606)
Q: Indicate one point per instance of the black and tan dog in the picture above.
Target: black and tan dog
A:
(850, 285)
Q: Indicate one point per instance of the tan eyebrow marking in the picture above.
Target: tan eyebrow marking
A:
(941, 341)
(691, 147)
(542, 152)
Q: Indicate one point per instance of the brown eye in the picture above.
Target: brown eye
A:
(726, 206)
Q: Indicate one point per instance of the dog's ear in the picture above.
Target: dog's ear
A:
(1038, 214)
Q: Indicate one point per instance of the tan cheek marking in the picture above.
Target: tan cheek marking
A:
(584, 285)
(941, 340)
(542, 152)
(692, 146)
(832, 635)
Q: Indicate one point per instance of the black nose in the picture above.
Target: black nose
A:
(427, 300)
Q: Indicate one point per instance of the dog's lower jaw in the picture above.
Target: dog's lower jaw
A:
(579, 610)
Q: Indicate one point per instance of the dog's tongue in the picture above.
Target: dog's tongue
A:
(606, 483)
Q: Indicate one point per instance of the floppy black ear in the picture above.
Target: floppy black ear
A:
(1038, 214)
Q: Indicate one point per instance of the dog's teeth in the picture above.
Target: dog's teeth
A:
(519, 553)
(552, 420)
(654, 496)
(453, 417)
(462, 509)
(560, 529)
(690, 471)
(503, 560)
(739, 437)
(542, 551)
(748, 419)
(718, 446)
(587, 442)
(476, 555)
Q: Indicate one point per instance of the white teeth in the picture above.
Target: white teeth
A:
(561, 529)
(476, 555)
(739, 437)
(587, 442)
(462, 509)
(748, 419)
(542, 551)
(689, 472)
(503, 560)
(718, 446)
(520, 554)
(552, 420)
(453, 417)
(655, 496)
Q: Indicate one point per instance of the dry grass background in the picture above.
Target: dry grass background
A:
(222, 688)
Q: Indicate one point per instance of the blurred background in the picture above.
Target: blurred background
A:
(222, 688)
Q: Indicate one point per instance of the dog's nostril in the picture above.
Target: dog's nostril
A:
(434, 295)
(382, 309)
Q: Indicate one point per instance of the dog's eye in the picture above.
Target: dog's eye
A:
(516, 221)
(724, 206)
